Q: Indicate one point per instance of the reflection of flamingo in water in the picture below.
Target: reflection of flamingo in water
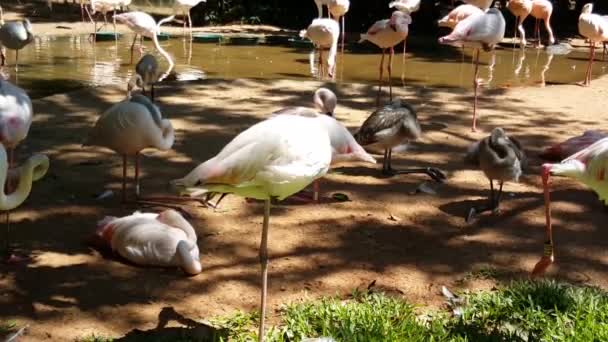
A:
(546, 67)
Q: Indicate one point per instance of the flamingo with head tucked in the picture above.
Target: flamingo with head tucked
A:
(274, 158)
(590, 167)
(594, 27)
(480, 31)
(386, 34)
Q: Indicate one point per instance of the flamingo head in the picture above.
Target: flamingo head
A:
(399, 18)
(325, 101)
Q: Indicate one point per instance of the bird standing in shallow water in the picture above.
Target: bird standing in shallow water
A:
(274, 158)
(385, 34)
(324, 34)
(15, 35)
(501, 158)
(594, 27)
(481, 31)
(184, 6)
(590, 167)
(394, 125)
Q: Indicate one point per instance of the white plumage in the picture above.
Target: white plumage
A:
(405, 6)
(459, 14)
(164, 239)
(594, 27)
(184, 7)
(324, 34)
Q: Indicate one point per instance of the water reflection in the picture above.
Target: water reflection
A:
(57, 64)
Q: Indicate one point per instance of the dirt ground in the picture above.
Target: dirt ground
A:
(409, 243)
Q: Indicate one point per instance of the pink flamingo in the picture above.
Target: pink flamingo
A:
(324, 34)
(458, 14)
(589, 166)
(594, 27)
(385, 34)
(483, 4)
(539, 9)
(481, 31)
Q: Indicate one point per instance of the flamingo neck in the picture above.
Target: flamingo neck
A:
(33, 169)
(165, 54)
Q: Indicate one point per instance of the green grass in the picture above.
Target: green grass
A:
(520, 311)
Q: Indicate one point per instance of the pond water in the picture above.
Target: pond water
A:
(58, 64)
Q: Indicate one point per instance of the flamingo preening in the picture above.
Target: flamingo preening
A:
(274, 158)
(594, 27)
(408, 7)
(386, 34)
(143, 24)
(129, 127)
(539, 9)
(502, 159)
(165, 239)
(324, 34)
(391, 126)
(589, 166)
(184, 7)
(481, 31)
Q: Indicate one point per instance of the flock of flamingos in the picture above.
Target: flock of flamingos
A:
(282, 155)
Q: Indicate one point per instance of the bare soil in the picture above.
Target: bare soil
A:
(408, 243)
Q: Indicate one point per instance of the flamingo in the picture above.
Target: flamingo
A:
(143, 24)
(483, 4)
(274, 158)
(458, 14)
(501, 158)
(389, 127)
(129, 127)
(320, 4)
(15, 35)
(164, 239)
(539, 9)
(588, 166)
(479, 31)
(386, 34)
(146, 75)
(33, 169)
(345, 148)
(324, 33)
(184, 7)
(338, 9)
(594, 27)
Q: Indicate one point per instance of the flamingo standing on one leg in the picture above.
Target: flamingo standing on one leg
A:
(386, 34)
(590, 167)
(338, 9)
(324, 34)
(184, 7)
(594, 27)
(479, 31)
(143, 24)
(272, 159)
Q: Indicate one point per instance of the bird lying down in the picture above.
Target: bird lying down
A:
(150, 239)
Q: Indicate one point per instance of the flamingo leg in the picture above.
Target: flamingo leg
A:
(133, 47)
(264, 266)
(137, 175)
(343, 34)
(380, 79)
(124, 178)
(548, 251)
(390, 74)
(114, 25)
(190, 24)
(436, 174)
(17, 60)
(9, 188)
(537, 32)
(587, 81)
(321, 72)
(476, 88)
(549, 31)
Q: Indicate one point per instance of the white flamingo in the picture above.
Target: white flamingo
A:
(34, 168)
(143, 24)
(272, 159)
(164, 239)
(589, 166)
(386, 34)
(184, 7)
(481, 31)
(338, 9)
(458, 14)
(594, 27)
(324, 34)
(129, 127)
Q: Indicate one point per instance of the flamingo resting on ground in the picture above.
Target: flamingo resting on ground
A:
(501, 158)
(385, 34)
(274, 158)
(458, 14)
(324, 34)
(589, 167)
(394, 125)
(164, 239)
(145, 76)
(129, 127)
(345, 149)
(478, 31)
(594, 27)
(15, 35)
(338, 9)
(34, 168)
(184, 7)
(143, 24)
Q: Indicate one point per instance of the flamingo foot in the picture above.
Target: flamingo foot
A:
(541, 266)
(583, 84)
